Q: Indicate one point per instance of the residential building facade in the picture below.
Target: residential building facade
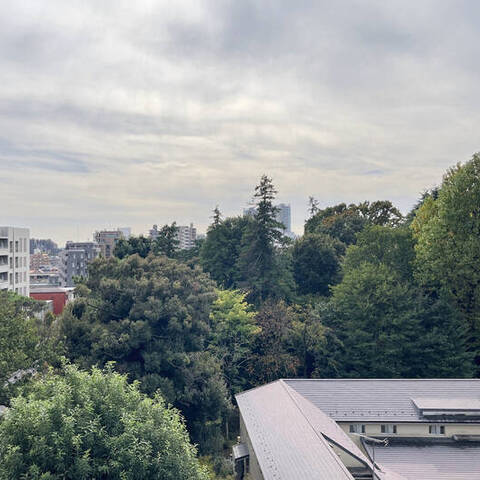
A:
(15, 260)
(186, 236)
(106, 240)
(74, 260)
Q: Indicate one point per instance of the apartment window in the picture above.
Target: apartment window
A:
(357, 428)
(16, 246)
(11, 246)
(11, 279)
(16, 277)
(389, 428)
(436, 429)
(16, 262)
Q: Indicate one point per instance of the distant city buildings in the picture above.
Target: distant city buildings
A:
(106, 240)
(44, 246)
(186, 235)
(74, 261)
(283, 216)
(57, 296)
(15, 260)
(127, 232)
(39, 260)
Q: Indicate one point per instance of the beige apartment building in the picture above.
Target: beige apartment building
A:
(15, 260)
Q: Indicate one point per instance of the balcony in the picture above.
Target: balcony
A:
(3, 280)
(3, 246)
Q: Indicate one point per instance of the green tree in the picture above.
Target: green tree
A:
(340, 221)
(167, 241)
(393, 247)
(316, 263)
(150, 316)
(273, 356)
(344, 222)
(447, 230)
(133, 245)
(220, 252)
(309, 340)
(389, 328)
(81, 425)
(27, 344)
(233, 332)
(257, 267)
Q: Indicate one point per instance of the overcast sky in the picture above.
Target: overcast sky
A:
(129, 113)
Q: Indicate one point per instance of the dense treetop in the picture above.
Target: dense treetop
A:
(78, 425)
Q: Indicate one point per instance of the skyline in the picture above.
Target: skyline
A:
(117, 114)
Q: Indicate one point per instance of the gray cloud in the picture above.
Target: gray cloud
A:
(120, 113)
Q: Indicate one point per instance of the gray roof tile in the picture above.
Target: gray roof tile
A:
(377, 399)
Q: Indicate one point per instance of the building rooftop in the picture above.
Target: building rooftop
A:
(293, 440)
(457, 461)
(389, 400)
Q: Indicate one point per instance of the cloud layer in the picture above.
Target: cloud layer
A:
(121, 113)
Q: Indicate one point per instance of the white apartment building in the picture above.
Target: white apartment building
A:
(15, 260)
(187, 236)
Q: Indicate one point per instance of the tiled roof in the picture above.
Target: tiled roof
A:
(432, 462)
(291, 437)
(388, 400)
(285, 444)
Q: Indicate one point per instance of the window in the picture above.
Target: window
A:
(436, 429)
(357, 428)
(389, 428)
(16, 246)
(16, 262)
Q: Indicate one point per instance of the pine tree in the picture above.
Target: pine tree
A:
(257, 263)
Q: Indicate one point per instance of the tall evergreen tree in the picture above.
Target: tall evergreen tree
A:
(257, 267)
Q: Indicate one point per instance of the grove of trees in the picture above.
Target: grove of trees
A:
(364, 292)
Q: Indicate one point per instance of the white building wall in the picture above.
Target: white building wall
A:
(15, 260)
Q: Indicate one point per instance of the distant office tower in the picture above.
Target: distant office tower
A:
(74, 261)
(127, 231)
(283, 216)
(106, 240)
(250, 211)
(15, 260)
(186, 236)
(154, 232)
